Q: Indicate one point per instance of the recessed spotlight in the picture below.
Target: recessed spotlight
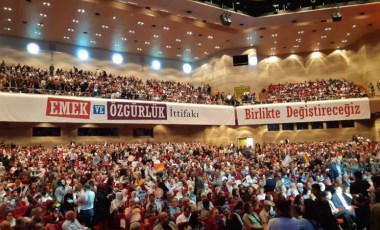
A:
(104, 26)
(117, 59)
(275, 42)
(9, 20)
(252, 60)
(318, 44)
(188, 50)
(206, 53)
(217, 47)
(156, 36)
(196, 58)
(210, 37)
(159, 52)
(131, 31)
(328, 29)
(274, 35)
(249, 38)
(168, 47)
(316, 54)
(37, 32)
(147, 43)
(348, 34)
(117, 45)
(114, 17)
(166, 28)
(93, 42)
(179, 55)
(189, 33)
(123, 39)
(33, 48)
(43, 15)
(98, 35)
(353, 26)
(40, 24)
(140, 23)
(7, 8)
(178, 40)
(46, 3)
(187, 68)
(70, 30)
(81, 10)
(296, 46)
(75, 21)
(298, 40)
(82, 54)
(323, 36)
(344, 41)
(66, 37)
(139, 49)
(300, 32)
(7, 28)
(199, 44)
(156, 64)
(273, 48)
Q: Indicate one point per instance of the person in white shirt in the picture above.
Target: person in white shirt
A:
(185, 216)
(85, 204)
(264, 214)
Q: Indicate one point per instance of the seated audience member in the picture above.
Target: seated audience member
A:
(341, 201)
(205, 211)
(71, 222)
(5, 225)
(343, 214)
(174, 207)
(325, 215)
(283, 218)
(251, 219)
(195, 223)
(232, 220)
(11, 219)
(215, 221)
(164, 223)
(185, 216)
(265, 213)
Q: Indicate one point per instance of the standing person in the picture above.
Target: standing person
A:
(283, 218)
(360, 198)
(86, 206)
(324, 215)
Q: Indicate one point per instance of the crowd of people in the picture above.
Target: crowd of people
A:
(309, 185)
(76, 82)
(331, 89)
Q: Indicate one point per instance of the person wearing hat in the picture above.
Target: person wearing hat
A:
(265, 212)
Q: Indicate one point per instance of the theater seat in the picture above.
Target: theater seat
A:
(151, 221)
(183, 225)
(340, 221)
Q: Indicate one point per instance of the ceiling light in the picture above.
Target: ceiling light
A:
(156, 65)
(249, 38)
(188, 50)
(66, 37)
(33, 48)
(199, 44)
(7, 9)
(273, 48)
(113, 17)
(300, 32)
(298, 40)
(196, 58)
(75, 21)
(81, 10)
(275, 42)
(187, 68)
(168, 47)
(43, 15)
(210, 37)
(252, 60)
(159, 52)
(7, 28)
(83, 54)
(189, 33)
(104, 27)
(46, 3)
(274, 35)
(272, 59)
(98, 35)
(217, 47)
(38, 33)
(139, 49)
(296, 46)
(40, 24)
(327, 28)
(123, 39)
(323, 36)
(9, 20)
(348, 34)
(93, 42)
(316, 55)
(353, 26)
(206, 53)
(178, 40)
(156, 36)
(140, 23)
(147, 43)
(344, 41)
(131, 31)
(179, 55)
(117, 59)
(166, 28)
(70, 30)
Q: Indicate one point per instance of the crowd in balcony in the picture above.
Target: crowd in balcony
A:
(306, 185)
(76, 82)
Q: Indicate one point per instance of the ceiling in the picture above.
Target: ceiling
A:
(182, 29)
